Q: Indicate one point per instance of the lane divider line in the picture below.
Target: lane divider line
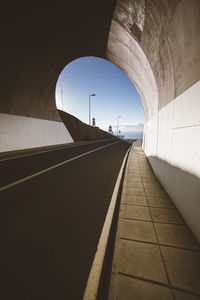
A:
(55, 149)
(5, 187)
(91, 289)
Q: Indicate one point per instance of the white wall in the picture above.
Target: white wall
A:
(175, 156)
(18, 132)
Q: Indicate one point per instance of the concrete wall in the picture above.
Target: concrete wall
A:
(18, 133)
(176, 157)
(157, 43)
(38, 39)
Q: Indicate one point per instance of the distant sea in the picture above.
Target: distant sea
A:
(132, 135)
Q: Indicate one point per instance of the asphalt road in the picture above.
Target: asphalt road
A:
(50, 224)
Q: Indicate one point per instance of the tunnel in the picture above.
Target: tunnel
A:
(156, 43)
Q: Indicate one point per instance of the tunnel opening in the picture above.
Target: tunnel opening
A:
(98, 93)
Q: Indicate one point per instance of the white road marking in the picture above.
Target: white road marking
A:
(50, 150)
(95, 272)
(5, 187)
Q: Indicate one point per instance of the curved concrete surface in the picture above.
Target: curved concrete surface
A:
(157, 43)
(38, 40)
(167, 33)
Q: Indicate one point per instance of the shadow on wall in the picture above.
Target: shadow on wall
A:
(179, 184)
(80, 131)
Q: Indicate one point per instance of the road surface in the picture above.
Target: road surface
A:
(51, 219)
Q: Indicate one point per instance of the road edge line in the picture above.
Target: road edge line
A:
(91, 289)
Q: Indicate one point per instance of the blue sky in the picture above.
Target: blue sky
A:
(115, 95)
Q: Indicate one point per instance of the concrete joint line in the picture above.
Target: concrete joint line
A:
(53, 167)
(91, 289)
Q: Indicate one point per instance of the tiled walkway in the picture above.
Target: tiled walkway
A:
(156, 256)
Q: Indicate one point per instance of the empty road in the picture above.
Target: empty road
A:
(52, 211)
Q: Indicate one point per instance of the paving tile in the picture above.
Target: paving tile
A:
(143, 161)
(132, 175)
(155, 192)
(133, 161)
(166, 215)
(136, 200)
(131, 179)
(136, 212)
(134, 184)
(134, 289)
(135, 191)
(147, 171)
(133, 172)
(133, 158)
(184, 296)
(138, 230)
(183, 267)
(133, 168)
(153, 185)
(145, 168)
(146, 165)
(160, 202)
(176, 235)
(145, 261)
(147, 175)
(149, 180)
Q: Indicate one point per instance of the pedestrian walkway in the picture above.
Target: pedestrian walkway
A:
(156, 255)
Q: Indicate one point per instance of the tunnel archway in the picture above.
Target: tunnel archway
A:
(165, 32)
(115, 97)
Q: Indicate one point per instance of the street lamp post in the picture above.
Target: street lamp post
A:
(118, 124)
(92, 95)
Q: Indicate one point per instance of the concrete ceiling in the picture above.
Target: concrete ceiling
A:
(157, 43)
(38, 39)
